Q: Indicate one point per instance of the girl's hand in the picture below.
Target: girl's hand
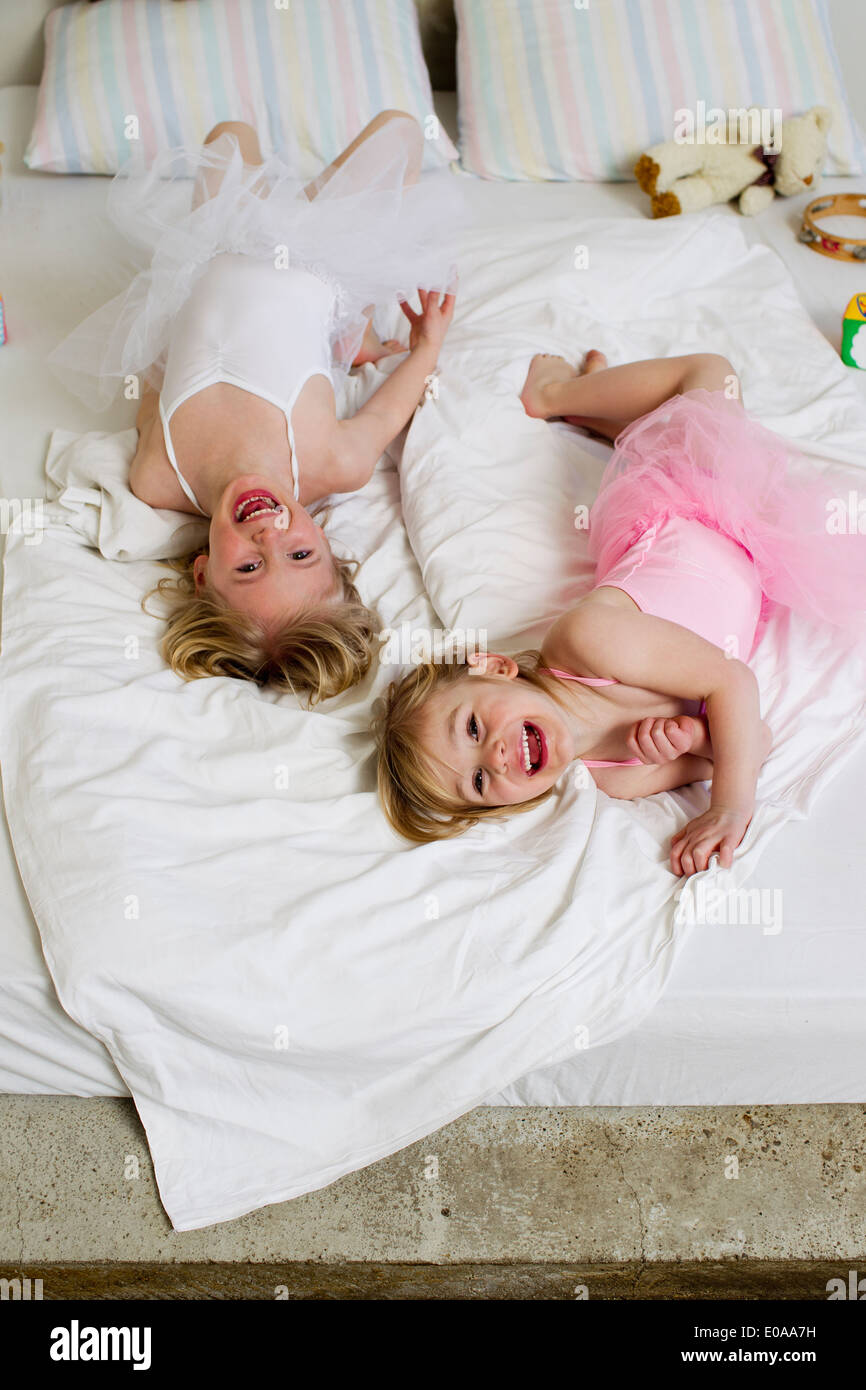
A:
(663, 740)
(717, 831)
(430, 326)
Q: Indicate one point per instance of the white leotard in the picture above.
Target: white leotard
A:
(251, 325)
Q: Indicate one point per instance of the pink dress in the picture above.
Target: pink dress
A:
(701, 520)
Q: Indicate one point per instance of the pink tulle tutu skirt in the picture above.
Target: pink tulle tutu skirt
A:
(698, 456)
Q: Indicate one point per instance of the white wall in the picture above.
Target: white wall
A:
(848, 19)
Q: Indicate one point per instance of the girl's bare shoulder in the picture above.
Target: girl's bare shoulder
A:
(586, 618)
(151, 476)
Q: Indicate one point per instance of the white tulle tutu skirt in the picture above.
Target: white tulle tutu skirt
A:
(364, 233)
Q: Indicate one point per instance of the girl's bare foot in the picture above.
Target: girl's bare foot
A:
(546, 369)
(373, 354)
(594, 361)
(372, 348)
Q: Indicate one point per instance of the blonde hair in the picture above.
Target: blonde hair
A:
(411, 794)
(319, 653)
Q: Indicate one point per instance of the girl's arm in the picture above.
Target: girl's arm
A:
(664, 739)
(636, 649)
(148, 408)
(627, 783)
(362, 440)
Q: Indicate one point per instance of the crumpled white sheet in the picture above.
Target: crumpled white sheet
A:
(491, 497)
(288, 990)
(87, 476)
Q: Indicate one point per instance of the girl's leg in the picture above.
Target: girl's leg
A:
(594, 361)
(208, 180)
(410, 132)
(248, 140)
(606, 399)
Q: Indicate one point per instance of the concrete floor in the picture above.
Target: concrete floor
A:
(626, 1196)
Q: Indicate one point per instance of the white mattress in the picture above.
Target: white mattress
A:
(748, 1017)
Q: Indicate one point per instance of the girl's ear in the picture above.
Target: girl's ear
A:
(199, 572)
(492, 664)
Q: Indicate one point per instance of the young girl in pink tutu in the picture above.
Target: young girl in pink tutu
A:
(255, 302)
(697, 530)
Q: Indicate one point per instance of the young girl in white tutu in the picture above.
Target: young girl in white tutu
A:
(699, 529)
(257, 297)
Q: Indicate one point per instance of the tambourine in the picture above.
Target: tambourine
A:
(834, 205)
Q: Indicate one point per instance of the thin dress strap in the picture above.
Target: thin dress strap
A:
(287, 411)
(593, 680)
(169, 449)
(165, 416)
(617, 762)
(584, 680)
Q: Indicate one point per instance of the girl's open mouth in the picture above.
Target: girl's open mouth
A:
(252, 504)
(533, 749)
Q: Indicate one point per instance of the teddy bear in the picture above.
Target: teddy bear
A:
(685, 176)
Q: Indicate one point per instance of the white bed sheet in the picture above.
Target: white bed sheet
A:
(745, 1017)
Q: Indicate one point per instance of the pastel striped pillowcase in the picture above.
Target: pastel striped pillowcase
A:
(308, 74)
(578, 89)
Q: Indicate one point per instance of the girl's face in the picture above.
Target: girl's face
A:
(494, 739)
(268, 558)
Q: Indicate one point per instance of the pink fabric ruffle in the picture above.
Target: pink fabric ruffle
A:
(700, 456)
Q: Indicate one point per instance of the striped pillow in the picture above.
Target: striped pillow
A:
(307, 74)
(578, 89)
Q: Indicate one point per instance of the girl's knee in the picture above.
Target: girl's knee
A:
(409, 127)
(719, 364)
(208, 180)
(411, 135)
(392, 113)
(245, 135)
(709, 370)
(227, 127)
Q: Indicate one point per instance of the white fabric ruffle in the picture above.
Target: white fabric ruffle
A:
(374, 240)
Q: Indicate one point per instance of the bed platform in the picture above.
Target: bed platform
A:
(605, 1168)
